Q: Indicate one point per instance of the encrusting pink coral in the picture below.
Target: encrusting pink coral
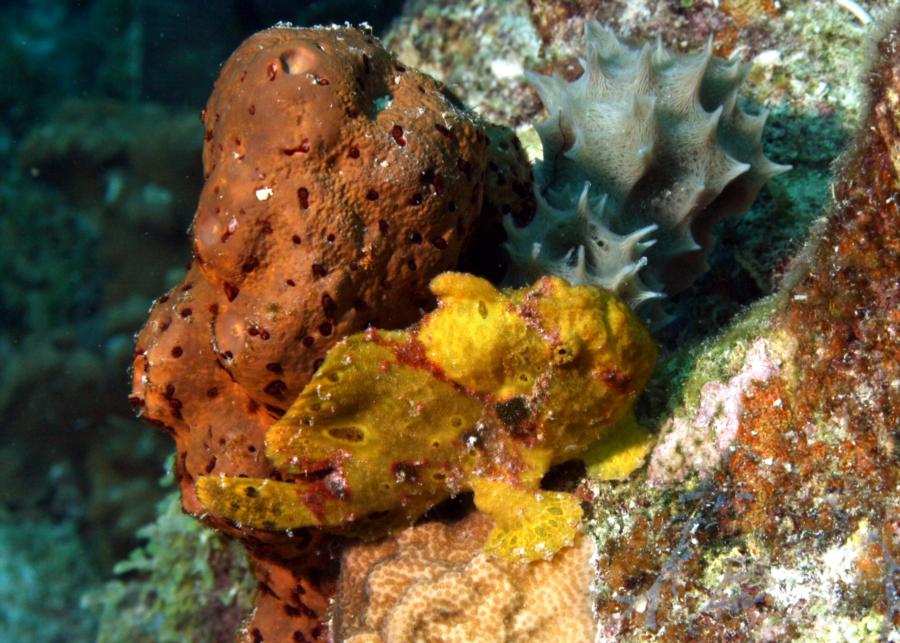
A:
(698, 440)
(338, 184)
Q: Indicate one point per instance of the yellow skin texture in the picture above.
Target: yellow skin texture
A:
(485, 394)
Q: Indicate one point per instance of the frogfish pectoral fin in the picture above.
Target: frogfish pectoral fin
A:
(258, 503)
(529, 524)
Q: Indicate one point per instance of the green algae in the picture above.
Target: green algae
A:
(186, 583)
(681, 374)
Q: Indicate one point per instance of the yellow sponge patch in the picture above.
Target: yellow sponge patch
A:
(620, 452)
(530, 525)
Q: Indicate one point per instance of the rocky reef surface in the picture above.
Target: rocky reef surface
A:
(768, 507)
(807, 60)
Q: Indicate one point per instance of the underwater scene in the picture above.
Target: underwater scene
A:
(450, 321)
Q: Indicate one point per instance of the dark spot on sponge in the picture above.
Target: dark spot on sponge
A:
(512, 411)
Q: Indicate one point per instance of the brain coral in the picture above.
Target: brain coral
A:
(643, 154)
(434, 583)
(338, 183)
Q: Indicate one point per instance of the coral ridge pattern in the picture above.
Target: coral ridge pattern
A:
(434, 582)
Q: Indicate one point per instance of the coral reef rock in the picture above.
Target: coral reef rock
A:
(643, 154)
(485, 394)
(433, 582)
(698, 444)
(786, 526)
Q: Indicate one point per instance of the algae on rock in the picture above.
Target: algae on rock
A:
(186, 583)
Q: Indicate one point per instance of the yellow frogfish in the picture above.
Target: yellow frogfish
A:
(484, 394)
